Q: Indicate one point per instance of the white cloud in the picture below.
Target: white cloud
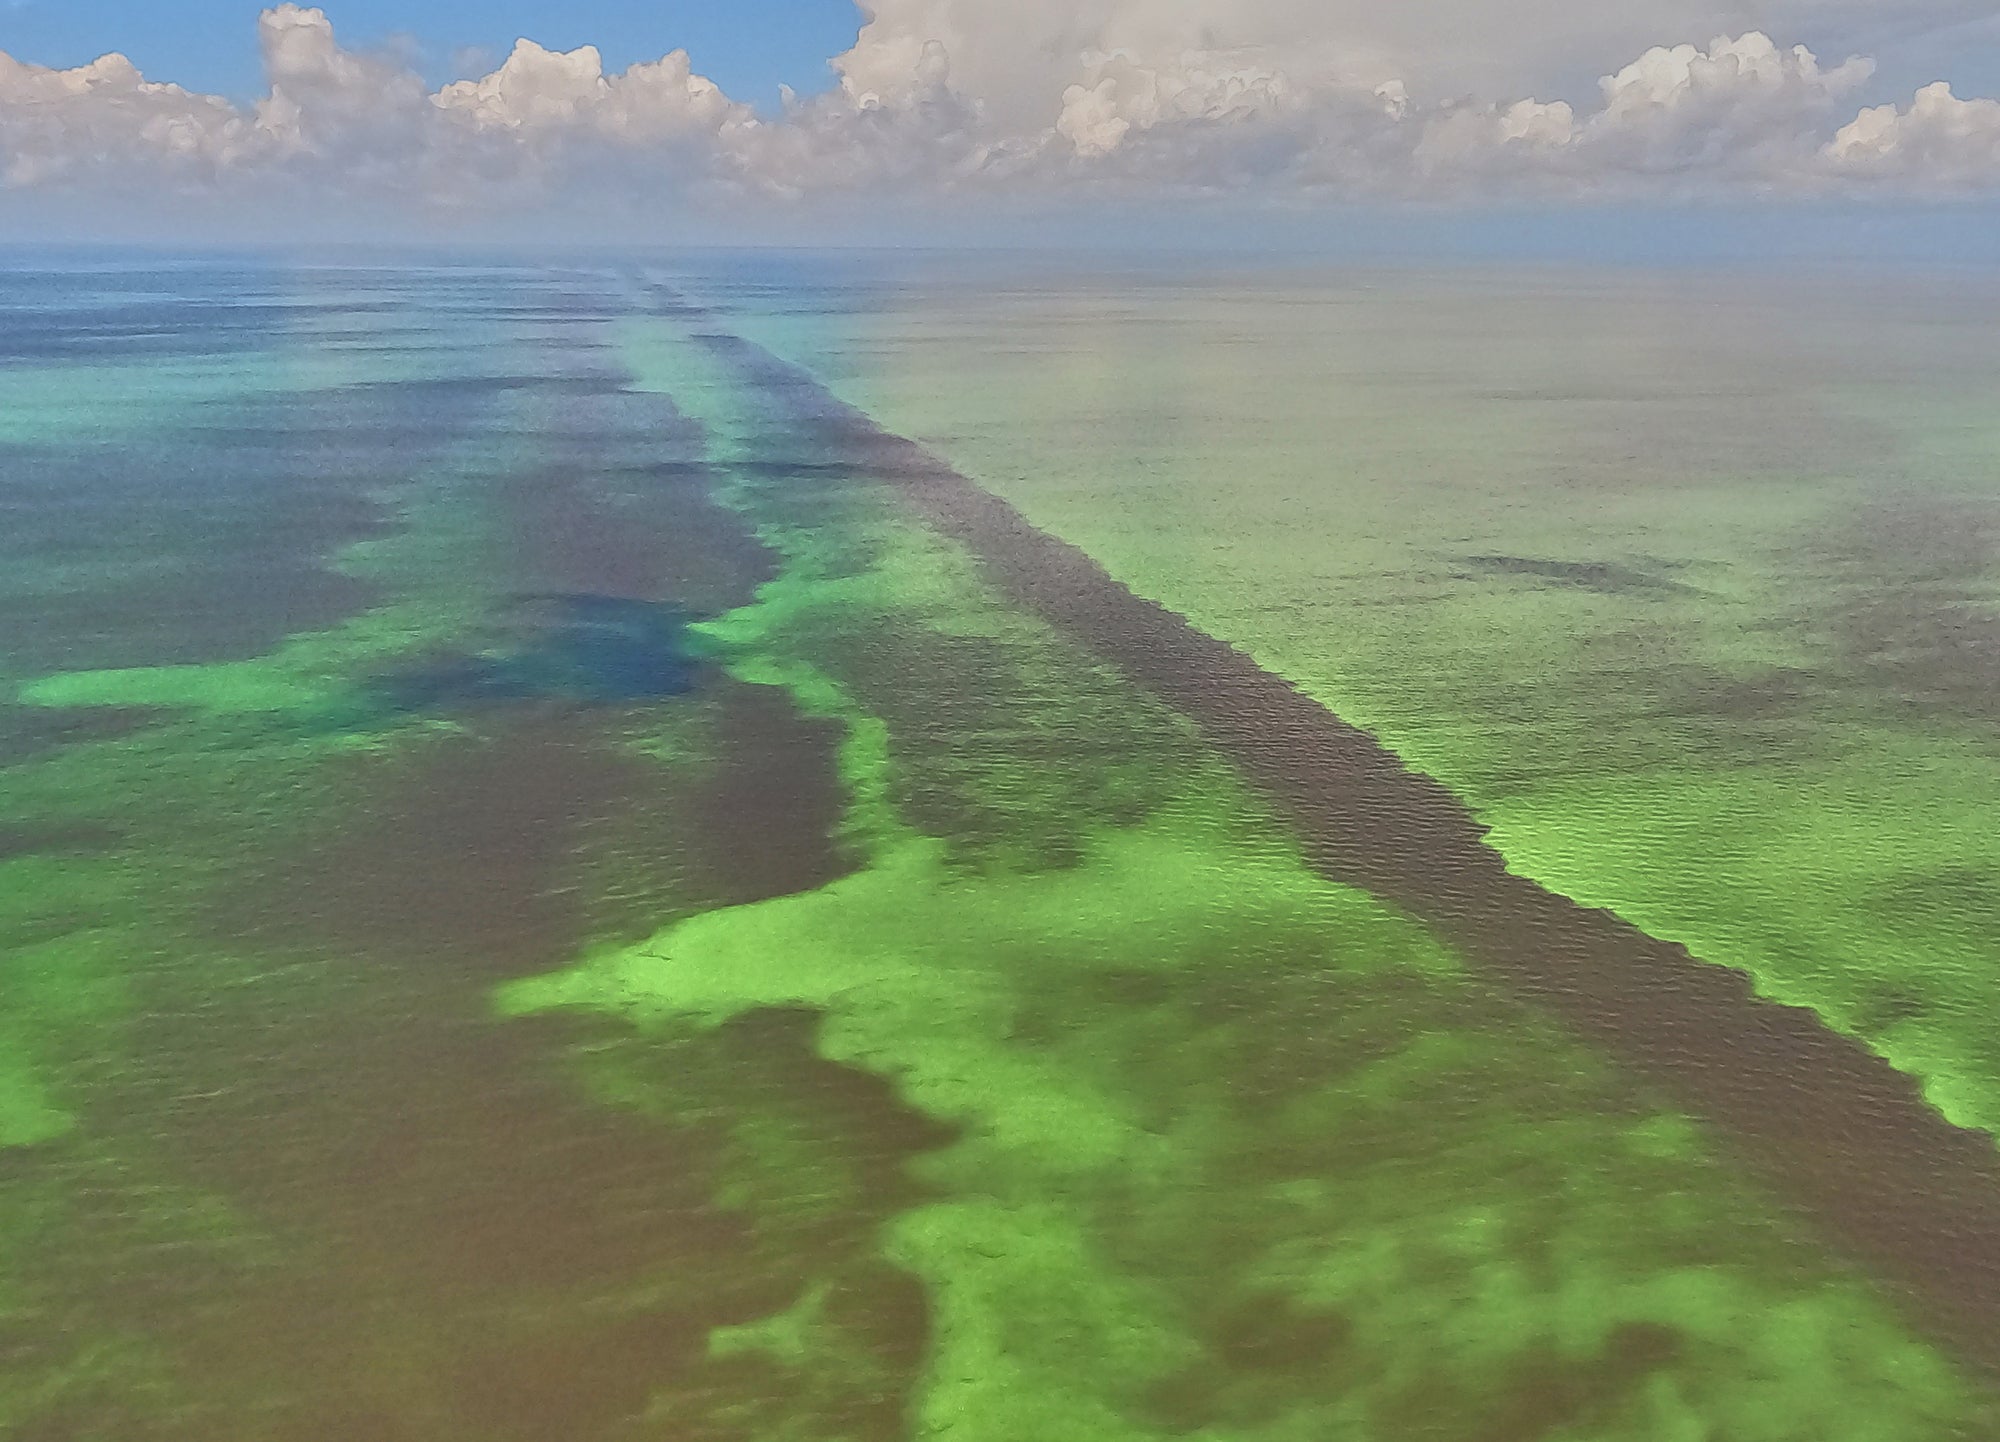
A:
(533, 86)
(105, 116)
(1119, 93)
(1741, 107)
(1503, 143)
(1016, 60)
(352, 112)
(1940, 142)
(1739, 112)
(545, 90)
(915, 133)
(1279, 98)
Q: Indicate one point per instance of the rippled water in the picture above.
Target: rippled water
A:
(560, 878)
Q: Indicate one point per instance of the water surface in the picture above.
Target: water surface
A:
(561, 882)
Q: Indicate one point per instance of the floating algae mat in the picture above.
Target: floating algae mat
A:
(1686, 585)
(663, 946)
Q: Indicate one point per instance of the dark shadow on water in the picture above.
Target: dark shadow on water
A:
(1609, 576)
(576, 647)
(55, 840)
(28, 733)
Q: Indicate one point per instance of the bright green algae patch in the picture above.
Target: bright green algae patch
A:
(1687, 588)
(1232, 1152)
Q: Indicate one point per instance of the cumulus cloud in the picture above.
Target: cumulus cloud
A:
(919, 133)
(1016, 60)
(356, 114)
(1742, 104)
(1939, 142)
(537, 90)
(1281, 98)
(1739, 111)
(1119, 94)
(107, 116)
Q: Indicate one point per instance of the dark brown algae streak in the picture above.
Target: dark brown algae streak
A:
(1840, 1133)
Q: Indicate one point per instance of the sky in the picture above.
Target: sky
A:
(748, 47)
(611, 118)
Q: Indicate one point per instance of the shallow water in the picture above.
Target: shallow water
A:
(562, 882)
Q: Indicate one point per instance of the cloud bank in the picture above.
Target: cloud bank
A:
(1280, 100)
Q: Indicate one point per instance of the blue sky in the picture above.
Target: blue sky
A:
(748, 47)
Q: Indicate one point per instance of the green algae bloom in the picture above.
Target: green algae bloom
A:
(1699, 628)
(915, 1031)
(1239, 1153)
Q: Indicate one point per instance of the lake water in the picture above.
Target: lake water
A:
(820, 847)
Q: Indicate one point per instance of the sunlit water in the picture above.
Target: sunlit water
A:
(559, 882)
